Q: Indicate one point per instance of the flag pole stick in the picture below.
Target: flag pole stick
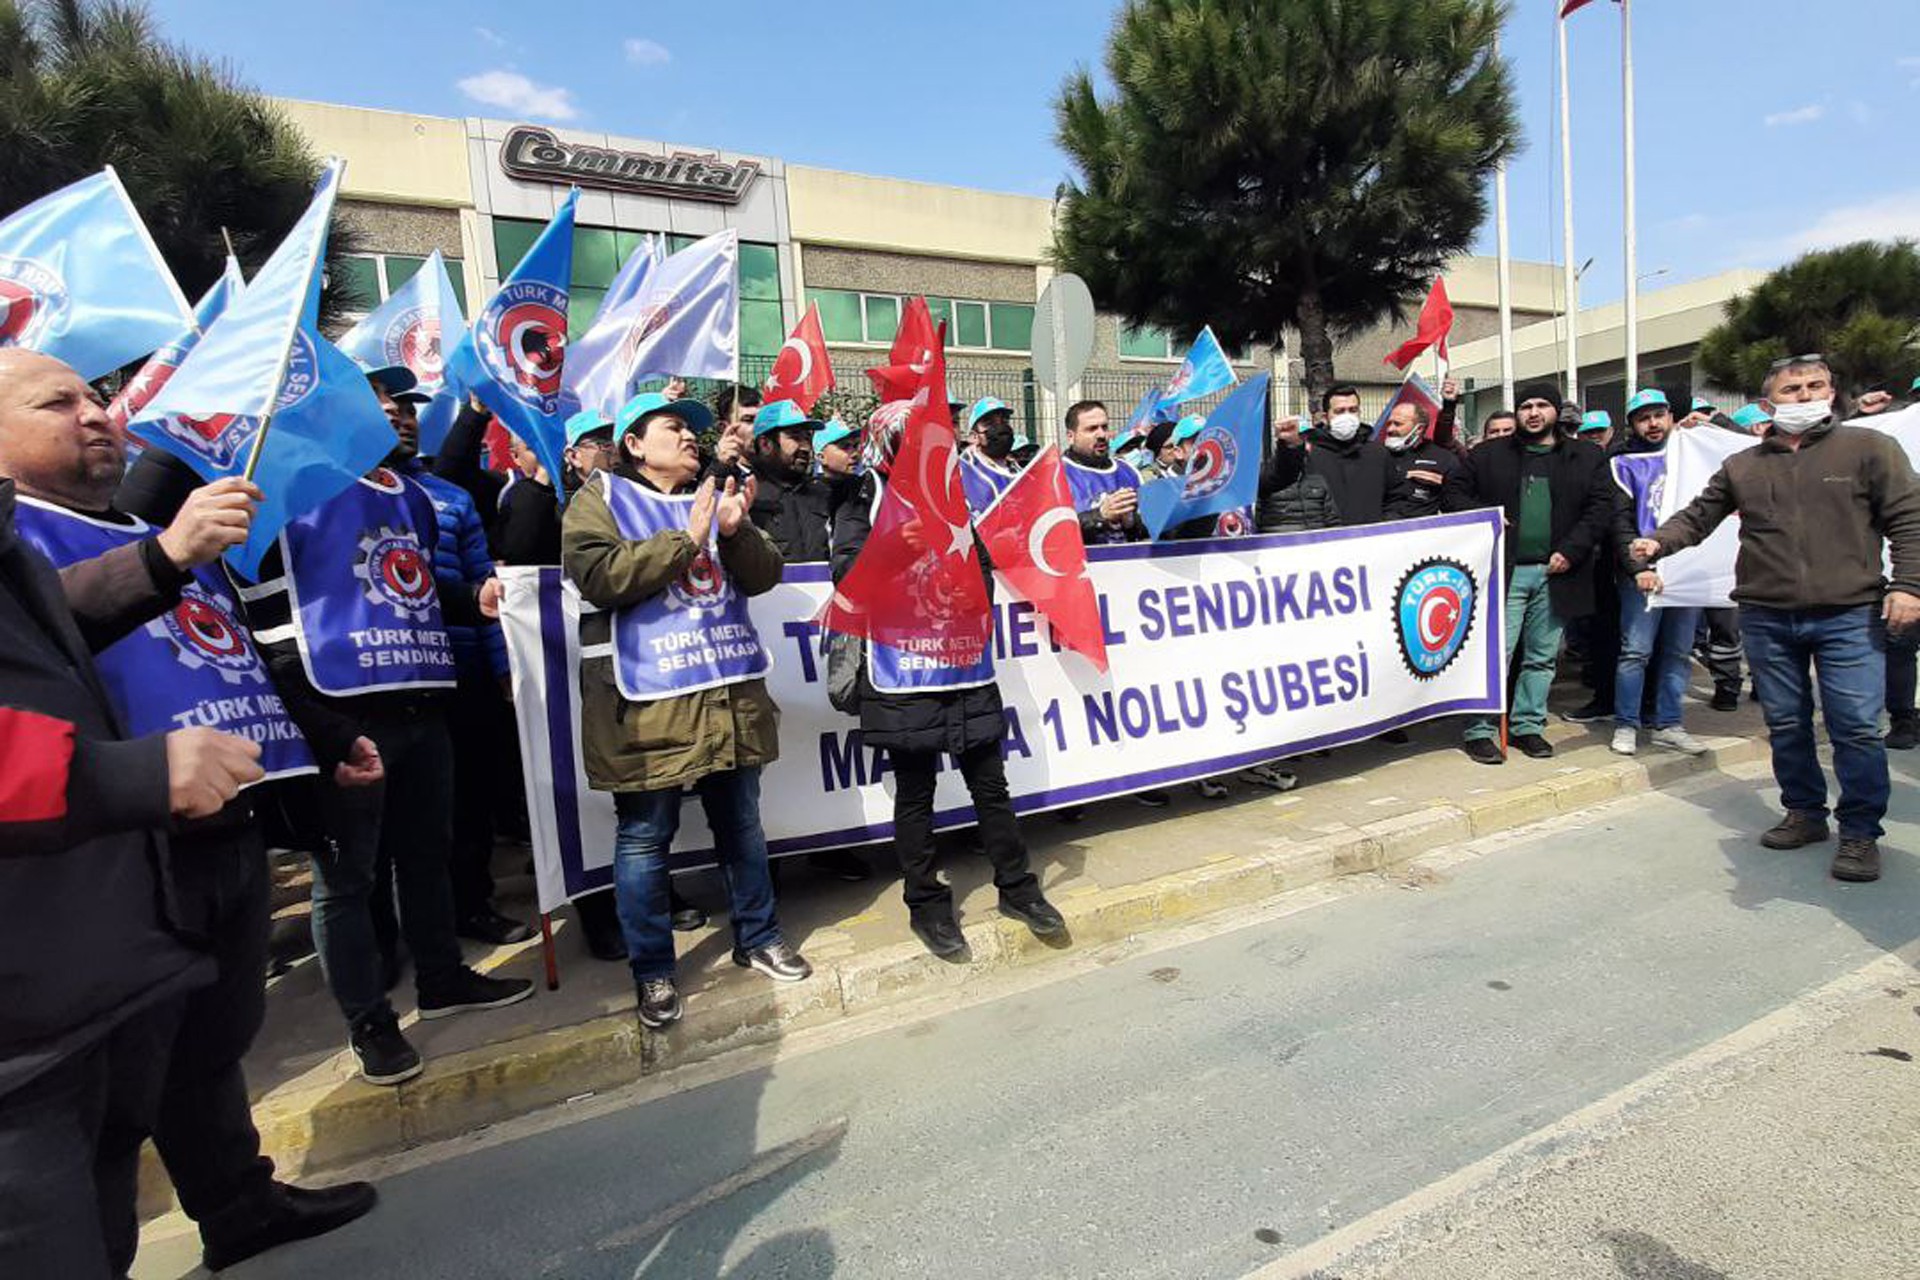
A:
(1570, 304)
(228, 241)
(1503, 271)
(1632, 239)
(551, 961)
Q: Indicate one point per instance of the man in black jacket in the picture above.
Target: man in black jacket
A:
(93, 971)
(1421, 467)
(1358, 472)
(1558, 500)
(791, 505)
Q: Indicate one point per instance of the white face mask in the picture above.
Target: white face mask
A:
(1400, 444)
(1343, 426)
(1797, 419)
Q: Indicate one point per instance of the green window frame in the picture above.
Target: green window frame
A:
(1146, 342)
(375, 277)
(850, 316)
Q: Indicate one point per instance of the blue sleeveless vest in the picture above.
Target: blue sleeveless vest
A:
(192, 666)
(982, 482)
(697, 634)
(366, 613)
(1088, 486)
(1643, 477)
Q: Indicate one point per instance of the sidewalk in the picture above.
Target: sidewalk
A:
(1123, 870)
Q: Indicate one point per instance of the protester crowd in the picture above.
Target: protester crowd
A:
(134, 863)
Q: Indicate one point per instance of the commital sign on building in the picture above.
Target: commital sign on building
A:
(537, 155)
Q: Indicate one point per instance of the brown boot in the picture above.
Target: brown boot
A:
(1799, 827)
(1858, 860)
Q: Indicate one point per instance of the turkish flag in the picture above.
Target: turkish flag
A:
(1571, 5)
(917, 584)
(1032, 535)
(499, 447)
(915, 343)
(802, 373)
(1436, 319)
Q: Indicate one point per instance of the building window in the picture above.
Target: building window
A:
(374, 277)
(847, 316)
(1145, 343)
(598, 253)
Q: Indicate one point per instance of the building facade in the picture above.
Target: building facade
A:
(854, 245)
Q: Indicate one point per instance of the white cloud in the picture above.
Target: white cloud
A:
(1885, 217)
(513, 92)
(1689, 222)
(1907, 64)
(489, 36)
(1799, 115)
(646, 53)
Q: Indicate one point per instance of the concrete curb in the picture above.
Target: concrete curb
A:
(318, 1128)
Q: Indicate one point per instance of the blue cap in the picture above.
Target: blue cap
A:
(1596, 420)
(834, 432)
(1751, 416)
(984, 406)
(1915, 386)
(1703, 405)
(781, 414)
(1022, 441)
(1645, 398)
(1187, 428)
(583, 422)
(396, 379)
(647, 403)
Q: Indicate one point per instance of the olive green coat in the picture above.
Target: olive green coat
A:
(669, 742)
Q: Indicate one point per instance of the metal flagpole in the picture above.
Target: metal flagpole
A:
(1504, 272)
(1632, 245)
(1571, 301)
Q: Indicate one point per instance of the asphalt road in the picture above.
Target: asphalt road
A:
(1268, 1098)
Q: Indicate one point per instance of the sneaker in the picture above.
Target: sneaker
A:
(1626, 740)
(1905, 733)
(1588, 714)
(658, 1002)
(384, 1054)
(1532, 744)
(1271, 776)
(683, 916)
(1152, 798)
(1800, 827)
(777, 960)
(941, 934)
(1211, 789)
(1037, 914)
(1726, 698)
(491, 927)
(467, 991)
(1675, 738)
(1484, 751)
(1858, 860)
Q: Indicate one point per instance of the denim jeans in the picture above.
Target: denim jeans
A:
(648, 822)
(1664, 636)
(407, 819)
(1847, 650)
(1534, 630)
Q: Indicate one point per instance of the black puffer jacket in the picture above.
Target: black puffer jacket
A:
(797, 515)
(949, 720)
(1305, 504)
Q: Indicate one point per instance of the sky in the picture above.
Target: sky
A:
(1764, 127)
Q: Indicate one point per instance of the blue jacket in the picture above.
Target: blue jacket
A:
(460, 557)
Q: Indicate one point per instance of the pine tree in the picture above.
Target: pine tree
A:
(1274, 164)
(1859, 305)
(88, 83)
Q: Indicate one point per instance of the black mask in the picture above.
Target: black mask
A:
(996, 439)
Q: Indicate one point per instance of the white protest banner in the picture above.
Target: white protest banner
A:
(1703, 575)
(1224, 653)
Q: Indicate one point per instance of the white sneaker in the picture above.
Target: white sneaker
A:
(1211, 789)
(1674, 738)
(1626, 741)
(1271, 776)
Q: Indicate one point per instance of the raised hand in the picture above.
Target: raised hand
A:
(700, 519)
(214, 517)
